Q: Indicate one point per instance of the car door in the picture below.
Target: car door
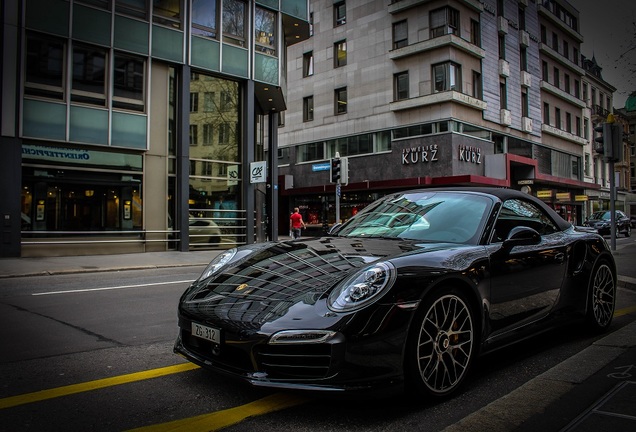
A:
(525, 280)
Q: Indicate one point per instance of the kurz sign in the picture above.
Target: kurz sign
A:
(413, 155)
(469, 154)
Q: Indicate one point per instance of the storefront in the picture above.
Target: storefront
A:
(73, 196)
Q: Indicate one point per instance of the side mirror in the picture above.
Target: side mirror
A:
(521, 236)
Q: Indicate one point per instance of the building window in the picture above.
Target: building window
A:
(555, 42)
(194, 102)
(523, 58)
(546, 113)
(89, 75)
(167, 12)
(587, 164)
(340, 51)
(585, 92)
(522, 18)
(339, 14)
(577, 89)
(311, 24)
(544, 71)
(557, 118)
(524, 103)
(575, 56)
(444, 21)
(308, 108)
(208, 134)
(227, 101)
(500, 7)
(446, 76)
(308, 64)
(265, 31)
(310, 152)
(586, 129)
(234, 22)
(503, 94)
(478, 92)
(556, 77)
(225, 133)
(135, 8)
(577, 126)
(401, 86)
(341, 100)
(475, 32)
(44, 67)
(566, 83)
(502, 46)
(568, 122)
(128, 82)
(400, 34)
(194, 135)
(566, 49)
(544, 34)
(204, 18)
(208, 102)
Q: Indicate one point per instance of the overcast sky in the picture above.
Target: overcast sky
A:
(609, 31)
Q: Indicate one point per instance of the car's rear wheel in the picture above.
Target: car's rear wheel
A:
(441, 343)
(602, 297)
(628, 230)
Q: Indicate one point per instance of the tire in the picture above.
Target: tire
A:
(602, 297)
(441, 344)
(628, 231)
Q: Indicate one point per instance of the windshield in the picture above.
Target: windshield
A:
(604, 215)
(428, 216)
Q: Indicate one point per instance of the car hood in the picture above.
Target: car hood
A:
(270, 281)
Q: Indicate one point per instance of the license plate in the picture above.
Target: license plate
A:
(205, 332)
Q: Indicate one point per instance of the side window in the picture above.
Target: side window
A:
(515, 212)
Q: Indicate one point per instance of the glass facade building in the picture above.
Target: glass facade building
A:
(131, 125)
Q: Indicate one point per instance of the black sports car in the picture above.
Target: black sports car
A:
(601, 222)
(406, 293)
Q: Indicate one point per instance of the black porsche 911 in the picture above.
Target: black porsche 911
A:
(404, 295)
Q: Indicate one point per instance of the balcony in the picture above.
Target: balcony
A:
(449, 40)
(526, 124)
(397, 6)
(438, 98)
(550, 88)
(526, 79)
(504, 68)
(505, 117)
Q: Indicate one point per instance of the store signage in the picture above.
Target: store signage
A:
(423, 154)
(544, 194)
(258, 172)
(320, 167)
(580, 198)
(73, 156)
(564, 196)
(470, 154)
(232, 175)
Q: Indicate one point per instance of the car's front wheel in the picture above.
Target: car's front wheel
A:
(602, 297)
(628, 230)
(441, 343)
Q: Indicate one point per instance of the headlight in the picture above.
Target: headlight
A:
(217, 263)
(362, 288)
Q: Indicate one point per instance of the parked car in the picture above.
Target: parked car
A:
(409, 306)
(600, 221)
(204, 231)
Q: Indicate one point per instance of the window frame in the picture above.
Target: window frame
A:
(452, 76)
(340, 101)
(399, 91)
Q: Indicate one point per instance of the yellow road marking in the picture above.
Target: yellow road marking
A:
(624, 311)
(93, 385)
(221, 419)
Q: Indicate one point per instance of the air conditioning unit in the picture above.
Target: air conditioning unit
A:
(502, 25)
(524, 38)
(504, 68)
(526, 124)
(526, 79)
(506, 117)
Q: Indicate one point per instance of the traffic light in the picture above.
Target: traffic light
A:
(344, 171)
(335, 170)
(604, 140)
(617, 142)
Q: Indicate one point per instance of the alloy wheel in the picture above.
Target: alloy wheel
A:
(445, 344)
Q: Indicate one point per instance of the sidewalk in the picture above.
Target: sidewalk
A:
(594, 390)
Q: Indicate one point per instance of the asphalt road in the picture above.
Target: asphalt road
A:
(93, 351)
